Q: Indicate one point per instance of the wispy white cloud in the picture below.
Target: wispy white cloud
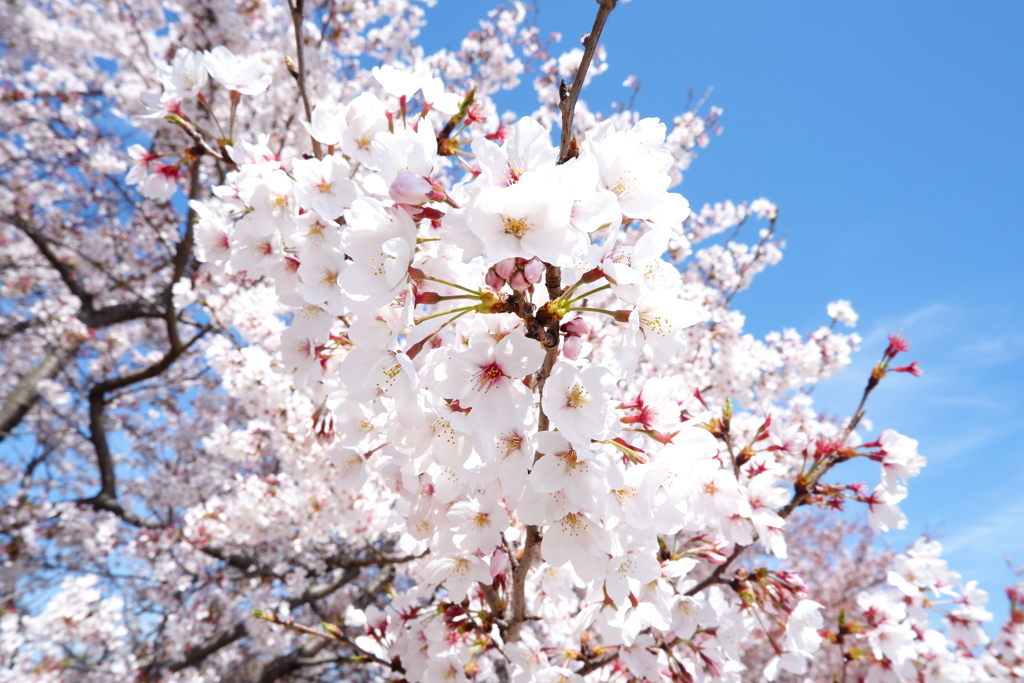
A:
(999, 532)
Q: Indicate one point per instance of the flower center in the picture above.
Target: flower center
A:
(624, 186)
(510, 442)
(488, 376)
(512, 172)
(655, 324)
(329, 278)
(577, 397)
(516, 226)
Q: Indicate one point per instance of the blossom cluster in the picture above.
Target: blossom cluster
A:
(478, 402)
(418, 266)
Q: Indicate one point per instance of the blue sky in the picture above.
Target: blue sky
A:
(891, 137)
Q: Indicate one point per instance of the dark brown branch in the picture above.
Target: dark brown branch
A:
(196, 655)
(716, 575)
(106, 499)
(67, 274)
(568, 99)
(595, 664)
(89, 315)
(291, 662)
(100, 444)
(317, 592)
(182, 258)
(518, 603)
(114, 314)
(374, 558)
(14, 329)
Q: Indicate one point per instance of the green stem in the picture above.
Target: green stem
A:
(460, 311)
(231, 121)
(595, 310)
(206, 106)
(452, 284)
(418, 345)
(593, 291)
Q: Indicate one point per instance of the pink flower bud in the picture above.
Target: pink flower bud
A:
(914, 369)
(493, 280)
(504, 268)
(571, 347)
(897, 344)
(577, 327)
(519, 282)
(534, 271)
(410, 188)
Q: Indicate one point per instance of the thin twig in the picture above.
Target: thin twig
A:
(568, 100)
(296, 7)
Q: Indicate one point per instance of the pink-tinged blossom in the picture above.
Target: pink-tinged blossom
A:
(327, 125)
(578, 402)
(155, 179)
(366, 116)
(319, 272)
(529, 218)
(717, 492)
(802, 628)
(185, 76)
(256, 252)
(883, 509)
(405, 149)
(584, 476)
(323, 185)
(410, 188)
(574, 538)
(241, 74)
(457, 573)
(528, 148)
(271, 196)
(632, 165)
(841, 311)
(900, 460)
(626, 573)
(487, 378)
(661, 319)
(511, 449)
(213, 233)
(400, 82)
(478, 524)
(380, 244)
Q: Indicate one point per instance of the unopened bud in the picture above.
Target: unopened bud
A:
(410, 188)
(534, 270)
(518, 281)
(577, 327)
(493, 280)
(427, 298)
(914, 369)
(571, 347)
(500, 135)
(439, 194)
(504, 268)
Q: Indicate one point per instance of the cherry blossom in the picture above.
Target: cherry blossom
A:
(397, 388)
